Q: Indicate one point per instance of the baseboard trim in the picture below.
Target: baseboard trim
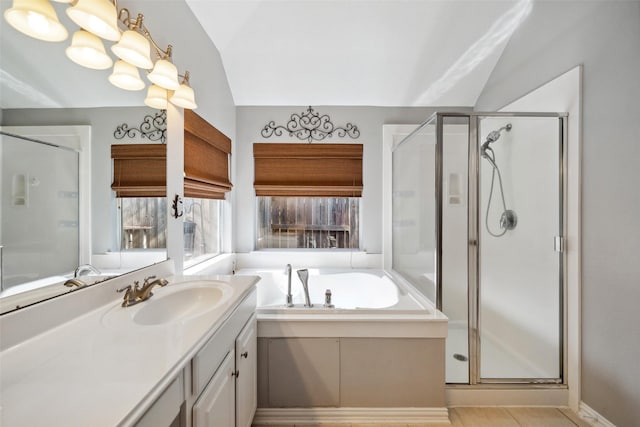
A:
(290, 416)
(506, 396)
(592, 416)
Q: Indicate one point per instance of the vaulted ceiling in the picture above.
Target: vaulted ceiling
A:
(359, 52)
(293, 52)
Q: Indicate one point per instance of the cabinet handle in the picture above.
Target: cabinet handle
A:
(245, 354)
(235, 374)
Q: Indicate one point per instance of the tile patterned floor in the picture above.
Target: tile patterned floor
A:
(489, 417)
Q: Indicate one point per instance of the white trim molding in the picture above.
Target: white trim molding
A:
(592, 416)
(291, 416)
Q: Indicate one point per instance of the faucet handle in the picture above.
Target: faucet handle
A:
(126, 288)
(146, 280)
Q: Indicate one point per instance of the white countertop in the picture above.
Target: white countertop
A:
(88, 373)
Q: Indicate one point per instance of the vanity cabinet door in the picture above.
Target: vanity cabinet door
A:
(216, 404)
(247, 374)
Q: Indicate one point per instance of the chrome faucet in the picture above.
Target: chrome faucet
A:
(135, 294)
(289, 295)
(304, 278)
(85, 268)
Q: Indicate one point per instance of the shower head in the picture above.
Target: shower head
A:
(493, 137)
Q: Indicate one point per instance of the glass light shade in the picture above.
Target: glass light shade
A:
(87, 50)
(99, 17)
(184, 97)
(126, 76)
(165, 75)
(156, 97)
(134, 48)
(37, 19)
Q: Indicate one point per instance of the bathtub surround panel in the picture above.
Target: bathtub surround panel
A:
(389, 372)
(303, 372)
(351, 372)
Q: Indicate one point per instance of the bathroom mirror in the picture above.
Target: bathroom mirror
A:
(41, 88)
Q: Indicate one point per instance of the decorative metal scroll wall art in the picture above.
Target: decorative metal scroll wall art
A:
(311, 126)
(152, 127)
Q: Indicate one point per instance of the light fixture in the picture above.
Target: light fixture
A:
(37, 19)
(99, 17)
(126, 76)
(87, 50)
(184, 96)
(164, 73)
(156, 97)
(134, 47)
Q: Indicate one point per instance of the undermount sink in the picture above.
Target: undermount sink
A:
(174, 303)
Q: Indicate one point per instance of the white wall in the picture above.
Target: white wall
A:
(604, 37)
(251, 120)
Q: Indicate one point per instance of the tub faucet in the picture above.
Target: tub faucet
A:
(304, 278)
(84, 269)
(75, 282)
(289, 295)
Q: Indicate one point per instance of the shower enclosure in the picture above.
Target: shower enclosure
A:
(478, 206)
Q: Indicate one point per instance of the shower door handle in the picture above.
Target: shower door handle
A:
(558, 244)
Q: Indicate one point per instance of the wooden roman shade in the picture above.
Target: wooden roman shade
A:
(139, 170)
(307, 170)
(206, 159)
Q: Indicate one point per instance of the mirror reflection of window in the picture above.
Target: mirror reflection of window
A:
(143, 222)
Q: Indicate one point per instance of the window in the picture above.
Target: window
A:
(308, 195)
(308, 222)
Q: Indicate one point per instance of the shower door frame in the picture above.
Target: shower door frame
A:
(473, 230)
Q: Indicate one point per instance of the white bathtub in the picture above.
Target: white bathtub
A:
(368, 303)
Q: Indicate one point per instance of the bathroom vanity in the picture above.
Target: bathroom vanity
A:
(181, 358)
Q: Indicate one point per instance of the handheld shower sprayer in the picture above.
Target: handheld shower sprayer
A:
(491, 138)
(508, 218)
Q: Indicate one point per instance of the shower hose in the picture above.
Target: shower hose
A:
(491, 157)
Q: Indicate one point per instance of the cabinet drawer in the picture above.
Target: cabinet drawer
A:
(205, 363)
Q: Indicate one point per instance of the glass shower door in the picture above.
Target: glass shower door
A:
(519, 243)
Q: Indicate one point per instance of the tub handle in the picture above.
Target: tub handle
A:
(327, 299)
(245, 354)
